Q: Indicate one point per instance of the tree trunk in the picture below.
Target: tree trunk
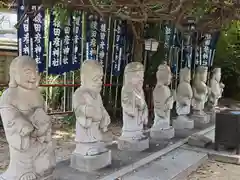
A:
(138, 29)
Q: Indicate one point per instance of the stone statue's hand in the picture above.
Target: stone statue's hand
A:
(104, 129)
(87, 123)
(94, 112)
(26, 130)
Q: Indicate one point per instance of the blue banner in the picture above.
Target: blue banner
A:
(77, 40)
(168, 41)
(103, 42)
(37, 38)
(187, 51)
(118, 47)
(205, 50)
(55, 46)
(24, 47)
(67, 45)
(92, 24)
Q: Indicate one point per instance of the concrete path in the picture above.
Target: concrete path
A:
(176, 165)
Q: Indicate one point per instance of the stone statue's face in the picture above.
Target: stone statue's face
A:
(169, 77)
(27, 77)
(165, 76)
(95, 82)
(137, 78)
(218, 76)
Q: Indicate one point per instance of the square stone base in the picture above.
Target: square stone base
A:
(131, 145)
(90, 163)
(163, 134)
(200, 121)
(212, 116)
(183, 123)
(183, 133)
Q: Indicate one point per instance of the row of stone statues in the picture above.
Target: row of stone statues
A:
(28, 127)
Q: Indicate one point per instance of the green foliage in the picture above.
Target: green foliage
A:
(228, 58)
(70, 120)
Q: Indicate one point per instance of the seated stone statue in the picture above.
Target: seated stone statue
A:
(26, 124)
(92, 119)
(216, 88)
(163, 103)
(183, 101)
(135, 110)
(200, 96)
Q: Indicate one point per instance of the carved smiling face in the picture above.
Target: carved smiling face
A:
(164, 74)
(92, 75)
(23, 73)
(28, 77)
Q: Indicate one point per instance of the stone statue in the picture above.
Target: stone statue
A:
(26, 124)
(216, 88)
(135, 110)
(163, 103)
(215, 93)
(92, 120)
(200, 96)
(184, 98)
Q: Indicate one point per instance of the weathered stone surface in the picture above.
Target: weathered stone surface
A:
(134, 145)
(200, 121)
(163, 134)
(211, 116)
(216, 89)
(92, 119)
(26, 124)
(90, 163)
(135, 110)
(199, 141)
(184, 98)
(163, 103)
(183, 122)
(200, 90)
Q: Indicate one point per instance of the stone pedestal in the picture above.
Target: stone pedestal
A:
(125, 144)
(200, 121)
(90, 163)
(162, 134)
(211, 116)
(161, 130)
(183, 126)
(183, 122)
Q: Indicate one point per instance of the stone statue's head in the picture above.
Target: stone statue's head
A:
(164, 74)
(91, 75)
(23, 72)
(201, 73)
(217, 74)
(185, 75)
(134, 74)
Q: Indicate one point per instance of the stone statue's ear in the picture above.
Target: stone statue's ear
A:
(12, 82)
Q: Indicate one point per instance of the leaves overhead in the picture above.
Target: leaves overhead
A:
(208, 14)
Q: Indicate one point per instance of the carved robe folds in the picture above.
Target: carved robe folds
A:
(163, 103)
(183, 104)
(92, 121)
(135, 110)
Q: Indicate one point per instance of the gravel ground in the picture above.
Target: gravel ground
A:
(212, 170)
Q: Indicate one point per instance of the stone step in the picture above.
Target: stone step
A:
(176, 165)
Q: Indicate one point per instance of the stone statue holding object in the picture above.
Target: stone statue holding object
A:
(183, 101)
(26, 124)
(163, 103)
(92, 120)
(200, 96)
(135, 109)
(216, 88)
